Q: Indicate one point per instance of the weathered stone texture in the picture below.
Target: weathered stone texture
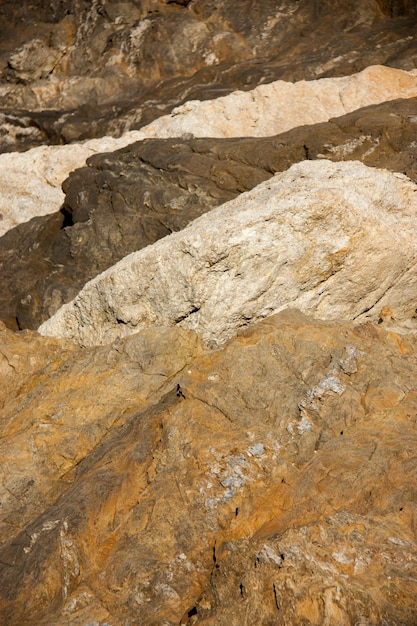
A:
(122, 202)
(31, 181)
(76, 70)
(336, 240)
(212, 462)
(279, 106)
(277, 482)
(80, 397)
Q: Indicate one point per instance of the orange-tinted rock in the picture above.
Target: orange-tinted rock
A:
(79, 395)
(254, 483)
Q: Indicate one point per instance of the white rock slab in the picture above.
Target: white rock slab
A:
(336, 240)
(30, 182)
(279, 106)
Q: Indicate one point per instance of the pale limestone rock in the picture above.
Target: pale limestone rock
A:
(336, 240)
(279, 106)
(30, 182)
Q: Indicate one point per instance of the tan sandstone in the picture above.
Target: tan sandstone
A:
(157, 482)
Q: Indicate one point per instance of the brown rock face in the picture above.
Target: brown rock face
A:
(73, 70)
(271, 481)
(122, 202)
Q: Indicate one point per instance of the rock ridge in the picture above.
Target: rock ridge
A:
(124, 201)
(196, 451)
(263, 111)
(92, 69)
(295, 240)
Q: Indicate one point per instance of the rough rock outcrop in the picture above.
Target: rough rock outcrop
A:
(122, 202)
(31, 182)
(77, 406)
(160, 483)
(76, 70)
(156, 480)
(336, 240)
(277, 107)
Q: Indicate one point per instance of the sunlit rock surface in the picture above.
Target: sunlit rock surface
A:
(269, 477)
(155, 481)
(277, 107)
(336, 240)
(31, 181)
(126, 200)
(77, 70)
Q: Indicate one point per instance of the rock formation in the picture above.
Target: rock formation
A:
(263, 111)
(295, 240)
(274, 479)
(76, 70)
(112, 210)
(279, 106)
(31, 182)
(220, 457)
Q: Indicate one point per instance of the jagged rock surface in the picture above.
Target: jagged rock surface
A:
(76, 70)
(124, 201)
(276, 483)
(336, 240)
(155, 481)
(81, 396)
(31, 182)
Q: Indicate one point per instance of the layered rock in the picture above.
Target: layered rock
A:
(274, 479)
(154, 479)
(31, 182)
(123, 202)
(77, 70)
(336, 240)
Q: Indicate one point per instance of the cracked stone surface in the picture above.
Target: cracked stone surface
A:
(163, 482)
(205, 465)
(31, 181)
(297, 239)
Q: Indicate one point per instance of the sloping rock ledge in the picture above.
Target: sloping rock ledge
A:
(336, 240)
